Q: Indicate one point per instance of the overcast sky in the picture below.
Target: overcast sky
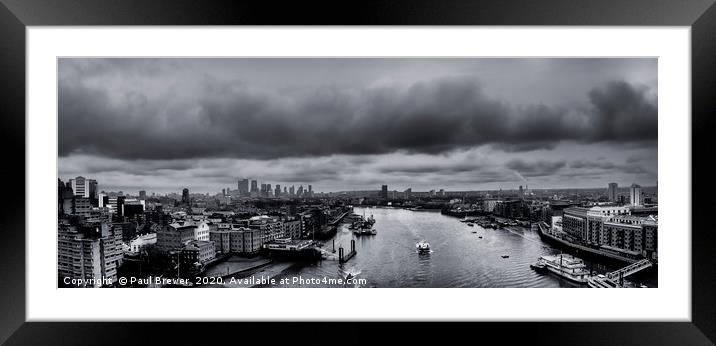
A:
(348, 124)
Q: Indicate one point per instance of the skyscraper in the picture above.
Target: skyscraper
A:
(185, 195)
(635, 195)
(612, 192)
(277, 193)
(384, 192)
(310, 191)
(93, 194)
(243, 186)
(142, 194)
(254, 186)
(262, 191)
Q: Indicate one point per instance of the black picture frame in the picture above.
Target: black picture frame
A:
(16, 15)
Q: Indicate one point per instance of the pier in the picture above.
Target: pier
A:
(628, 270)
(615, 279)
(343, 258)
(338, 220)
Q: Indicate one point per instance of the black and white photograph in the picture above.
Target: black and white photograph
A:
(470, 166)
(357, 172)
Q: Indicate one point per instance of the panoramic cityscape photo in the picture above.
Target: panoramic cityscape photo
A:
(357, 172)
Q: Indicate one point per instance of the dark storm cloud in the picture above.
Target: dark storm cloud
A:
(536, 168)
(623, 112)
(231, 119)
(630, 166)
(592, 164)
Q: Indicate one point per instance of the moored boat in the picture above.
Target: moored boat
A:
(566, 266)
(539, 267)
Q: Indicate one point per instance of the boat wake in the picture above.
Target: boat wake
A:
(349, 273)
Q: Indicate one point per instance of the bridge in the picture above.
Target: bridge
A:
(628, 270)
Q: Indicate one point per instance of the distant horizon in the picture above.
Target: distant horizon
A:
(135, 190)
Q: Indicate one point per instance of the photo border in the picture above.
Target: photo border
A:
(15, 15)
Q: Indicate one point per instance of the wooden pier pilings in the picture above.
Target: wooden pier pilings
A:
(342, 258)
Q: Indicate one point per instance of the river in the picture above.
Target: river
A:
(459, 258)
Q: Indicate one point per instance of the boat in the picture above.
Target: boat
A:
(370, 220)
(471, 224)
(369, 231)
(505, 256)
(480, 237)
(423, 246)
(539, 267)
(365, 231)
(474, 231)
(566, 266)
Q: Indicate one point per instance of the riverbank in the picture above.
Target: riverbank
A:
(236, 265)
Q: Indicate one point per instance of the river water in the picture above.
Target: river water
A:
(459, 258)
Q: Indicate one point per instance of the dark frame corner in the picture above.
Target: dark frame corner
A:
(15, 15)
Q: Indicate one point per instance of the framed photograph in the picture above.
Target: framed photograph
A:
(402, 163)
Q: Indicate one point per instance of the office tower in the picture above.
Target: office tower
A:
(92, 184)
(243, 186)
(300, 191)
(635, 195)
(185, 195)
(103, 200)
(142, 194)
(81, 186)
(291, 191)
(119, 204)
(277, 193)
(384, 192)
(310, 191)
(612, 192)
(254, 186)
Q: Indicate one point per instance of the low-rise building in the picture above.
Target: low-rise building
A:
(139, 242)
(174, 237)
(236, 238)
(585, 224)
(197, 252)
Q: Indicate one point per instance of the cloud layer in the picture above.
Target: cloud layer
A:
(235, 120)
(177, 118)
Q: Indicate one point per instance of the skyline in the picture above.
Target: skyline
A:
(354, 124)
(178, 190)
